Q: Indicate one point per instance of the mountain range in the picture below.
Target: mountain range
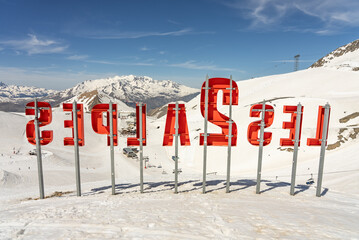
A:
(125, 90)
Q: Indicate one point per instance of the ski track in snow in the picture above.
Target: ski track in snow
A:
(161, 214)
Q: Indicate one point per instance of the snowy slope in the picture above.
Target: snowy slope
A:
(312, 88)
(344, 58)
(160, 214)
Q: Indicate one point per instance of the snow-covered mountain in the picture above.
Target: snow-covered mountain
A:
(13, 92)
(123, 90)
(13, 98)
(129, 89)
(343, 58)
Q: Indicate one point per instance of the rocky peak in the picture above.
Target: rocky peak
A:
(345, 57)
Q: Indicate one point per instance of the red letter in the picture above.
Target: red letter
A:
(97, 121)
(69, 141)
(215, 117)
(253, 128)
(291, 126)
(45, 118)
(170, 125)
(317, 140)
(135, 141)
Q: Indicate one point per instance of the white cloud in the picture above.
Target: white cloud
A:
(333, 14)
(174, 22)
(47, 77)
(292, 61)
(145, 48)
(134, 35)
(33, 45)
(78, 57)
(344, 12)
(197, 66)
(119, 63)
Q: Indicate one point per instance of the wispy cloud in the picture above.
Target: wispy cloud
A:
(78, 57)
(291, 61)
(145, 48)
(134, 61)
(46, 77)
(174, 22)
(106, 62)
(331, 14)
(331, 11)
(198, 66)
(134, 35)
(34, 45)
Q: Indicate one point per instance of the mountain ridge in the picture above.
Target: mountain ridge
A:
(344, 58)
(125, 90)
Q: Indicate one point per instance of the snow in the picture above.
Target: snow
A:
(161, 214)
(130, 86)
(12, 93)
(345, 58)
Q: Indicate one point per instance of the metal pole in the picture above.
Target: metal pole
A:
(260, 151)
(112, 150)
(229, 138)
(205, 137)
(76, 144)
(38, 152)
(176, 150)
(141, 146)
(322, 149)
(296, 143)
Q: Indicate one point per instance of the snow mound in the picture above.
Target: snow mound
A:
(8, 178)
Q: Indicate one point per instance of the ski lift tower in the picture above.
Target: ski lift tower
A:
(296, 62)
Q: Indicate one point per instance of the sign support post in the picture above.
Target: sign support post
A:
(141, 146)
(38, 152)
(112, 150)
(230, 121)
(205, 137)
(76, 144)
(260, 151)
(322, 149)
(296, 143)
(176, 149)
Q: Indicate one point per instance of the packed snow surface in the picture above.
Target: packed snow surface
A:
(158, 213)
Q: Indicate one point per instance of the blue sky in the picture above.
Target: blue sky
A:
(56, 44)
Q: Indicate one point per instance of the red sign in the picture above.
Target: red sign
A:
(254, 127)
(69, 141)
(45, 118)
(170, 125)
(291, 126)
(135, 141)
(97, 121)
(214, 116)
